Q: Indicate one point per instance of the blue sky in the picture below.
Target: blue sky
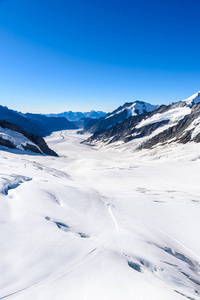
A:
(88, 54)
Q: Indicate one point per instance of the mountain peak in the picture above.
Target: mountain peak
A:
(193, 99)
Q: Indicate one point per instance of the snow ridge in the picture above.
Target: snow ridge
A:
(193, 99)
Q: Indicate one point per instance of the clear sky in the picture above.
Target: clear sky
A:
(58, 55)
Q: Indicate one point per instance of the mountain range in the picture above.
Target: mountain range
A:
(76, 116)
(176, 122)
(35, 123)
(25, 131)
(120, 224)
(119, 115)
(136, 125)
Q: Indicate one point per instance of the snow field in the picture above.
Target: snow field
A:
(100, 224)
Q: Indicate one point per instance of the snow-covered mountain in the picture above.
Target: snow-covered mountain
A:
(119, 115)
(76, 116)
(13, 137)
(98, 223)
(193, 99)
(177, 122)
(133, 109)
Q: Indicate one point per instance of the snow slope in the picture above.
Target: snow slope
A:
(174, 115)
(193, 99)
(118, 116)
(16, 138)
(133, 109)
(100, 224)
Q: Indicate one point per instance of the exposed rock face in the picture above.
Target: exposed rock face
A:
(178, 122)
(40, 142)
(181, 132)
(119, 115)
(105, 123)
(6, 143)
(37, 140)
(126, 130)
(32, 148)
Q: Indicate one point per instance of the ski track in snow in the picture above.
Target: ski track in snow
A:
(114, 221)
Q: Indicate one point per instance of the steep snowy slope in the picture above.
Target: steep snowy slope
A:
(193, 99)
(177, 122)
(12, 136)
(100, 224)
(133, 109)
(119, 115)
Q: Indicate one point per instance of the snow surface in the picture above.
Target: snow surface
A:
(100, 224)
(174, 115)
(16, 138)
(195, 126)
(193, 99)
(138, 106)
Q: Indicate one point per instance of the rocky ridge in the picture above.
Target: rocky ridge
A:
(14, 137)
(119, 115)
(177, 122)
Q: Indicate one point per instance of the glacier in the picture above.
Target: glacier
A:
(96, 223)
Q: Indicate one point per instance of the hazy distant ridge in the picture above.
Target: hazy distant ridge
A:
(76, 116)
(35, 123)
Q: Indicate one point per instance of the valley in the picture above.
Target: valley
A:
(99, 150)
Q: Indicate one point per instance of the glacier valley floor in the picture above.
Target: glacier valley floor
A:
(100, 223)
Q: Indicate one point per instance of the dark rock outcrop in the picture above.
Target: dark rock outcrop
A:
(178, 131)
(126, 130)
(117, 116)
(6, 143)
(32, 148)
(37, 140)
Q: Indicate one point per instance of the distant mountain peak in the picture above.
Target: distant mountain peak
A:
(77, 115)
(123, 112)
(139, 107)
(133, 108)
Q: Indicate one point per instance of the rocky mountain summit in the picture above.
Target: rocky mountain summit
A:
(119, 115)
(176, 122)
